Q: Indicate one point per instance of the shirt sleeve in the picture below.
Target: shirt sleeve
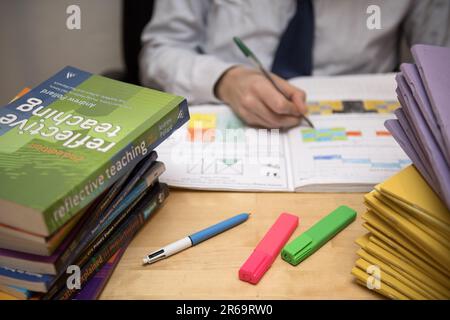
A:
(428, 22)
(171, 58)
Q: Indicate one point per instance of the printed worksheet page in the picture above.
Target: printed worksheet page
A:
(215, 151)
(349, 149)
(344, 152)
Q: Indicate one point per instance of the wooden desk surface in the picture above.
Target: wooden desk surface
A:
(210, 270)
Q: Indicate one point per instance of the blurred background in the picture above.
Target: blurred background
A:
(36, 41)
(35, 32)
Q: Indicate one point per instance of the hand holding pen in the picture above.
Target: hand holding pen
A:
(260, 98)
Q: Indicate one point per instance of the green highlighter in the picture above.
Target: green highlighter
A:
(312, 239)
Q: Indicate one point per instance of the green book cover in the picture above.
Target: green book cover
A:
(70, 138)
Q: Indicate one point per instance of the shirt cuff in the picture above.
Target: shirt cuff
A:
(207, 72)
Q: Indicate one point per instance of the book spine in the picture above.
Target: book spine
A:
(10, 276)
(60, 280)
(129, 181)
(123, 235)
(152, 138)
(94, 287)
(84, 254)
(86, 244)
(98, 213)
(100, 239)
(143, 170)
(112, 192)
(87, 248)
(134, 195)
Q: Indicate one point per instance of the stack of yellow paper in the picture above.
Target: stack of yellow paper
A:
(406, 253)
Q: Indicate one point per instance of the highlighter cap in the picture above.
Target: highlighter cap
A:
(312, 239)
(268, 248)
(297, 251)
(254, 268)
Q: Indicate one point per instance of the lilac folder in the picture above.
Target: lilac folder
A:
(408, 137)
(412, 115)
(411, 135)
(433, 63)
(399, 135)
(412, 77)
(438, 164)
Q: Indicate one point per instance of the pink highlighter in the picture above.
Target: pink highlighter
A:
(268, 248)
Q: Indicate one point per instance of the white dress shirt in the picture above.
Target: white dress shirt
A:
(188, 43)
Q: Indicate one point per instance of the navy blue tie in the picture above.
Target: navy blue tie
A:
(294, 53)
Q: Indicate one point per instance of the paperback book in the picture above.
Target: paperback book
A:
(69, 139)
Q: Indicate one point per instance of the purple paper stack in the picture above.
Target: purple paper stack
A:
(422, 127)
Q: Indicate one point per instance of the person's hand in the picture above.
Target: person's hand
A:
(257, 102)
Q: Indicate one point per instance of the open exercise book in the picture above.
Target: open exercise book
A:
(349, 150)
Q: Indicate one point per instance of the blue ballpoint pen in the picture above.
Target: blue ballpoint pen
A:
(195, 238)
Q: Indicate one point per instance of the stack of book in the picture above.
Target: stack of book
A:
(406, 254)
(79, 178)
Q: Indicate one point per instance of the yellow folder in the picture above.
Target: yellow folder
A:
(411, 259)
(393, 282)
(400, 274)
(373, 220)
(441, 234)
(409, 187)
(375, 223)
(400, 251)
(369, 254)
(384, 289)
(437, 224)
(393, 265)
(439, 252)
